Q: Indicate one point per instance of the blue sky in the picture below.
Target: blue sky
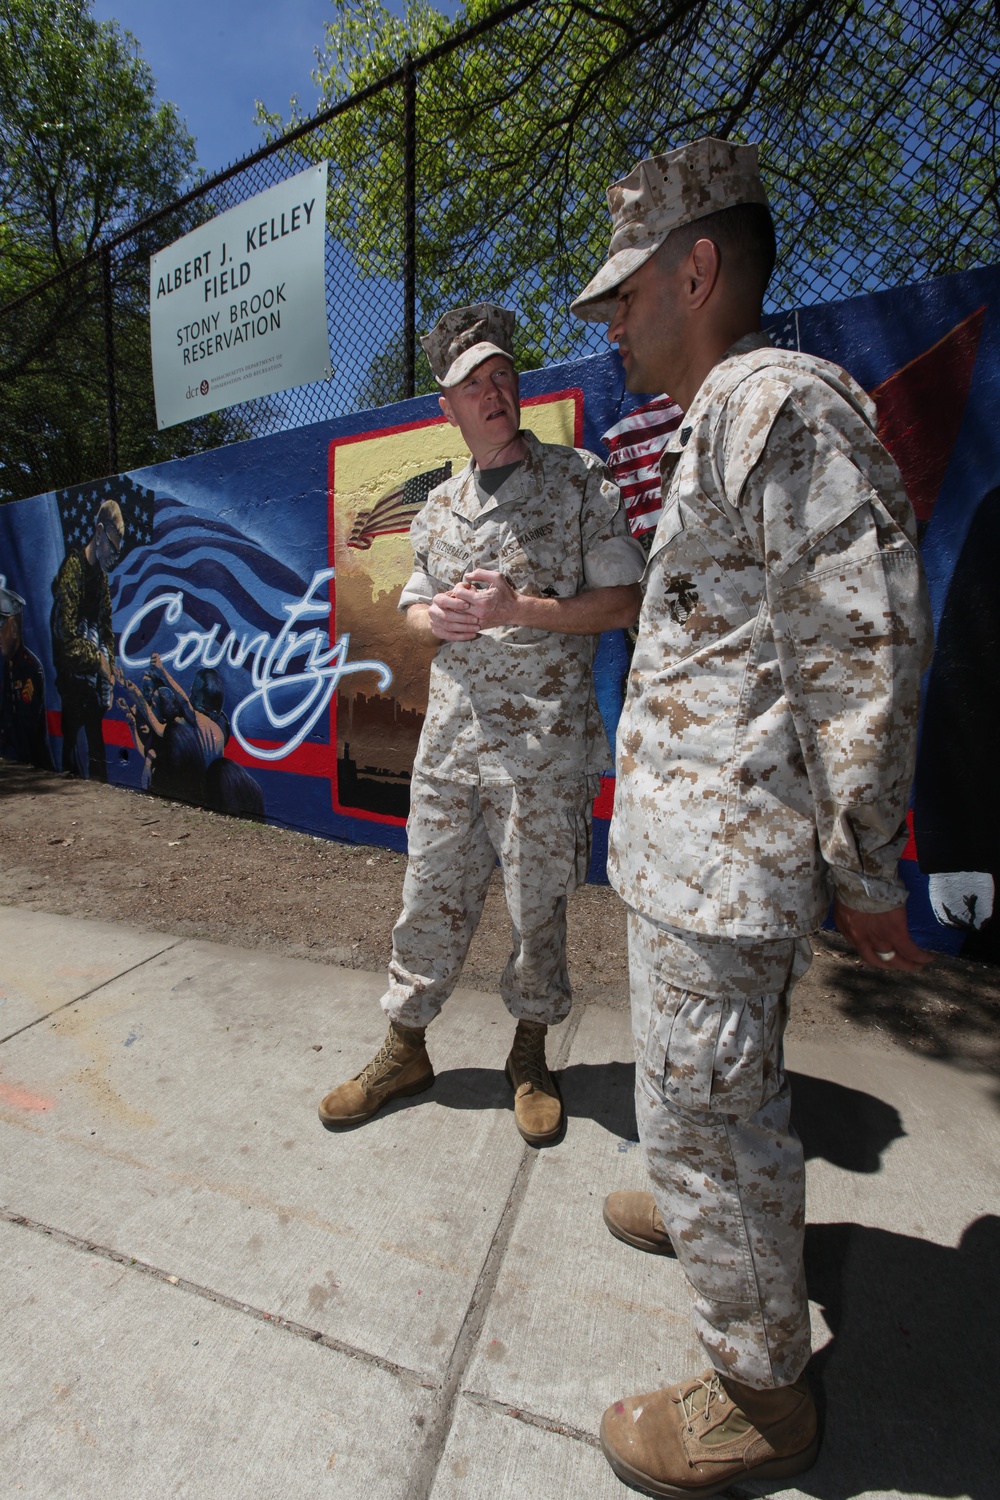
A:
(214, 58)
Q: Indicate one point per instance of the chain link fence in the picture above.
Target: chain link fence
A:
(477, 171)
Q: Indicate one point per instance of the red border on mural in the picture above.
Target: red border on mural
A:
(307, 760)
(573, 393)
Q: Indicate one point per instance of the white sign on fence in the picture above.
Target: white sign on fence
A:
(237, 308)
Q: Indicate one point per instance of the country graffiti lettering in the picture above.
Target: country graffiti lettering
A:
(292, 693)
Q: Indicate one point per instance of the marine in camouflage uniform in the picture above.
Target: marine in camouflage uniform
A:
(521, 559)
(765, 755)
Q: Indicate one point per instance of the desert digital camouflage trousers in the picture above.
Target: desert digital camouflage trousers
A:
(541, 834)
(727, 1168)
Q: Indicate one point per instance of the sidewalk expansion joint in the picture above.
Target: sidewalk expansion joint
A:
(439, 1424)
(409, 1378)
(77, 999)
(532, 1418)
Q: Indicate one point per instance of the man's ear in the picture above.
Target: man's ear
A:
(446, 410)
(702, 272)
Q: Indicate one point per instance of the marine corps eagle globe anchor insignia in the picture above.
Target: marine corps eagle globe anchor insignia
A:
(682, 596)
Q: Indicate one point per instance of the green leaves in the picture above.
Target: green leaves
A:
(85, 149)
(877, 123)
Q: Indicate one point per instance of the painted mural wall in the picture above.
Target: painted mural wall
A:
(245, 651)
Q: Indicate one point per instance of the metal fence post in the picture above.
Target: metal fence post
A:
(109, 360)
(409, 226)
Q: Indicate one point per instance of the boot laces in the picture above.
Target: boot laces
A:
(383, 1055)
(531, 1059)
(694, 1404)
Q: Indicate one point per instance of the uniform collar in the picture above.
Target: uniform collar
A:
(677, 440)
(523, 484)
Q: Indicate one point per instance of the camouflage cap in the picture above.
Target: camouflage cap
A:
(10, 603)
(466, 336)
(661, 194)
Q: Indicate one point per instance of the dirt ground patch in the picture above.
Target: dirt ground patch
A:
(77, 848)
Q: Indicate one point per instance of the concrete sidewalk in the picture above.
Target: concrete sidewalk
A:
(205, 1294)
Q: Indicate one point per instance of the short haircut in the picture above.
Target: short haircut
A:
(744, 235)
(110, 517)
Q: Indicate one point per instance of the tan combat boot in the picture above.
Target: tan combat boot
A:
(635, 1218)
(538, 1110)
(400, 1067)
(699, 1437)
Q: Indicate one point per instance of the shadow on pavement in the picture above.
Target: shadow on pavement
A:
(845, 1126)
(909, 1378)
(591, 1091)
(949, 1011)
(907, 1382)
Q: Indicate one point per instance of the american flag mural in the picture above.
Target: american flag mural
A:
(634, 446)
(227, 579)
(395, 510)
(79, 505)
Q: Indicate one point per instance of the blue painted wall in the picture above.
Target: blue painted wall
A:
(231, 558)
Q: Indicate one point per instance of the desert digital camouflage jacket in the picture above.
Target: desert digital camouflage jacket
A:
(80, 619)
(766, 747)
(518, 703)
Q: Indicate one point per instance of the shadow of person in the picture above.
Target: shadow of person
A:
(845, 1126)
(604, 1093)
(471, 1088)
(909, 1379)
(594, 1091)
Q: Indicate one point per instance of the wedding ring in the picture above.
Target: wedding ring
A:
(887, 956)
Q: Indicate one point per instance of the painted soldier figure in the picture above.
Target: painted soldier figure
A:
(520, 561)
(83, 643)
(765, 755)
(24, 732)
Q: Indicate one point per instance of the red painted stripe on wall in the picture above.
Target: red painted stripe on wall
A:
(307, 760)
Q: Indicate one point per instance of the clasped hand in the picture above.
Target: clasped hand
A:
(483, 599)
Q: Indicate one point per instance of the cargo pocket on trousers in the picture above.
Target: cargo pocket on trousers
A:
(680, 1047)
(710, 1054)
(748, 1069)
(580, 823)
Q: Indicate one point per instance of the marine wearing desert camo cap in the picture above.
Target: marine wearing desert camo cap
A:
(660, 194)
(465, 337)
(519, 562)
(765, 753)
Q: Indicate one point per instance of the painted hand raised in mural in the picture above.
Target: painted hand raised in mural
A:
(962, 898)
